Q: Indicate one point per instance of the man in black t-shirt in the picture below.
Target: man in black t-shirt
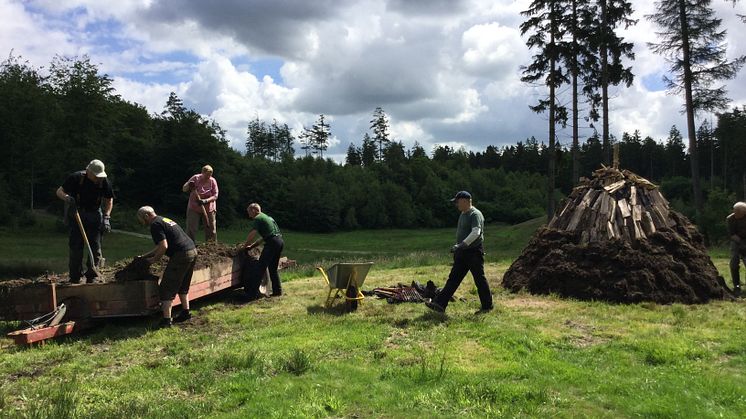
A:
(172, 241)
(86, 191)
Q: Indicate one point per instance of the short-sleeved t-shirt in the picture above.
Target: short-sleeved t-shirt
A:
(265, 226)
(466, 222)
(165, 228)
(203, 188)
(736, 226)
(87, 194)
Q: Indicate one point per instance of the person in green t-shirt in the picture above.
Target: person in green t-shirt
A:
(468, 256)
(270, 234)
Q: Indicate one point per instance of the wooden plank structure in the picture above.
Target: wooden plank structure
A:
(613, 204)
(103, 300)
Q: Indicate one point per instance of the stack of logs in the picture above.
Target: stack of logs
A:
(613, 204)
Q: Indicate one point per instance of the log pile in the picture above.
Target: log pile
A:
(614, 204)
(616, 239)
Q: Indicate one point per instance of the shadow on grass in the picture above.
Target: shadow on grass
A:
(335, 310)
(430, 318)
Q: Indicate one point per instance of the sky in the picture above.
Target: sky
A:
(446, 72)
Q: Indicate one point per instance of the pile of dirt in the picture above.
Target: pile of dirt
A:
(211, 253)
(208, 254)
(663, 269)
(637, 250)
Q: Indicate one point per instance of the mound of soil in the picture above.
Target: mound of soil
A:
(208, 254)
(671, 266)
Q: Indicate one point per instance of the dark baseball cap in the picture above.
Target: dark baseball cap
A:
(461, 194)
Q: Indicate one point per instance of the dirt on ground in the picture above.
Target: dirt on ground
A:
(208, 254)
(671, 266)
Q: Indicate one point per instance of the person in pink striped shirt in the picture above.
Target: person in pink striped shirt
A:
(203, 194)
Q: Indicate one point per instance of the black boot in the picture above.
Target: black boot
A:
(183, 316)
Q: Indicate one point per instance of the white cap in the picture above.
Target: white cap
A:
(97, 168)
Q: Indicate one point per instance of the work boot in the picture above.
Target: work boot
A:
(737, 290)
(485, 310)
(432, 305)
(165, 322)
(183, 316)
(75, 281)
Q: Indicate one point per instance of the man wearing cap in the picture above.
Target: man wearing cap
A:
(170, 240)
(270, 234)
(737, 230)
(468, 255)
(203, 192)
(85, 191)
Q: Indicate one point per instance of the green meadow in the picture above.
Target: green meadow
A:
(289, 357)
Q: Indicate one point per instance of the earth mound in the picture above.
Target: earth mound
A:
(615, 239)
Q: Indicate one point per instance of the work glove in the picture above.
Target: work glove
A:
(70, 200)
(107, 224)
(203, 201)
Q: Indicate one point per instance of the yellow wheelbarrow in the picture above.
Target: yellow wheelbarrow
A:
(345, 280)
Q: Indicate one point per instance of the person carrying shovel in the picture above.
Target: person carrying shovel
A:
(203, 192)
(84, 192)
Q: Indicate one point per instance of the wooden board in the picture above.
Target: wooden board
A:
(111, 299)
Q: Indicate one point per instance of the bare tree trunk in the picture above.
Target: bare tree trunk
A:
(712, 159)
(605, 84)
(552, 116)
(32, 186)
(575, 139)
(693, 154)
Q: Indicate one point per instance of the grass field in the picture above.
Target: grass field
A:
(288, 357)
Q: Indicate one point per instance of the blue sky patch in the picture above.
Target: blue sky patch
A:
(260, 67)
(654, 82)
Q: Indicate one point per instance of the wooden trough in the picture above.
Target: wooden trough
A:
(85, 302)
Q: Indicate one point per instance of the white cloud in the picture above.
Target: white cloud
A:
(492, 50)
(28, 34)
(445, 71)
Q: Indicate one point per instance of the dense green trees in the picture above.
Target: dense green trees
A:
(47, 135)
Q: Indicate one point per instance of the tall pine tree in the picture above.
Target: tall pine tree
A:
(544, 24)
(692, 43)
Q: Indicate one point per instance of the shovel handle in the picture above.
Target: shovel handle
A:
(85, 240)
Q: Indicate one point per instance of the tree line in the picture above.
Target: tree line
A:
(54, 124)
(577, 43)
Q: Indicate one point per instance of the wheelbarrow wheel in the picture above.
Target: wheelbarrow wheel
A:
(351, 294)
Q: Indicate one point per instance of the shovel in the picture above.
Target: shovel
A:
(87, 244)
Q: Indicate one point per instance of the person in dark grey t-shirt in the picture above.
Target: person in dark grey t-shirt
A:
(172, 241)
(468, 256)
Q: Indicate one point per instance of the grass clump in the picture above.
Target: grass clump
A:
(298, 362)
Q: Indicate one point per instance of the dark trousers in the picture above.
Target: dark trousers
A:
(269, 259)
(737, 254)
(92, 223)
(253, 272)
(464, 261)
